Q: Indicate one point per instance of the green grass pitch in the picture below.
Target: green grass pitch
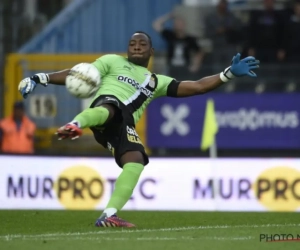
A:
(29, 230)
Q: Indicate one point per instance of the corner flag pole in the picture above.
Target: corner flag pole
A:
(208, 141)
(213, 151)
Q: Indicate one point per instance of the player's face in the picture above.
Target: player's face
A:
(139, 50)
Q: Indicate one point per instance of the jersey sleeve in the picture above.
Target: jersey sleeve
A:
(104, 63)
(166, 86)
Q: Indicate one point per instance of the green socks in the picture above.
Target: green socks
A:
(124, 187)
(92, 117)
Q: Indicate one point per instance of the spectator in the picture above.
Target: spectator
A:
(17, 132)
(222, 28)
(265, 33)
(291, 35)
(183, 52)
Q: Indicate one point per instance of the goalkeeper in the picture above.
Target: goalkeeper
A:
(126, 89)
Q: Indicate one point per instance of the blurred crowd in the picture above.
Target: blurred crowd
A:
(269, 34)
(20, 21)
(24, 19)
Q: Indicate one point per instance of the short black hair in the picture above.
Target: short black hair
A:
(147, 35)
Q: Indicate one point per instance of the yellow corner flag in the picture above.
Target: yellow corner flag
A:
(210, 126)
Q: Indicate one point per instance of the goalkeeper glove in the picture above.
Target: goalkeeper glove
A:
(240, 68)
(27, 85)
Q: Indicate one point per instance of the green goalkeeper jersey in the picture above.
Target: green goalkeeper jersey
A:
(133, 85)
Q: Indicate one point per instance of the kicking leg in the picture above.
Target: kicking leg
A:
(90, 117)
(133, 166)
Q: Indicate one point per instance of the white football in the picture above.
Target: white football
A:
(83, 80)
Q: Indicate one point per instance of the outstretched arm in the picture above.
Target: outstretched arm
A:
(27, 85)
(202, 86)
(58, 78)
(238, 68)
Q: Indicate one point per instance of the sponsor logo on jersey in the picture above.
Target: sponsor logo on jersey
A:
(136, 85)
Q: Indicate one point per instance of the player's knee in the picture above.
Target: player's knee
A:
(133, 156)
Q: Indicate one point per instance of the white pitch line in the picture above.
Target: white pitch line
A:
(230, 238)
(125, 231)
